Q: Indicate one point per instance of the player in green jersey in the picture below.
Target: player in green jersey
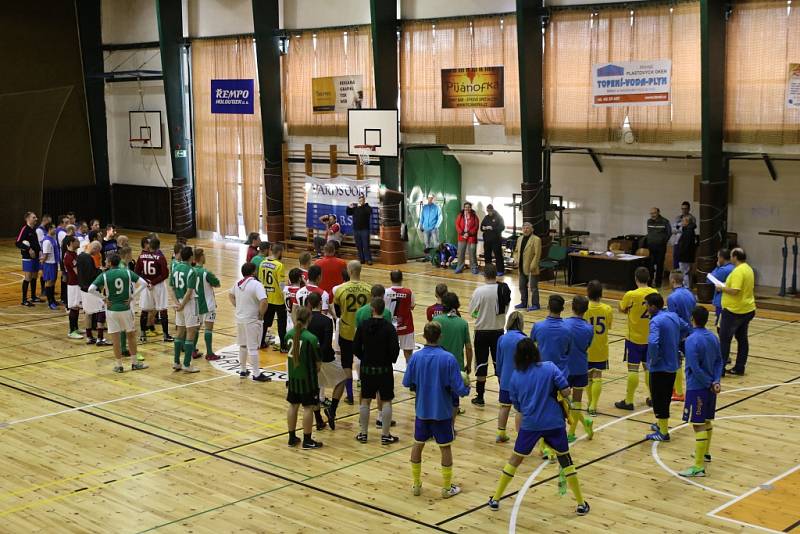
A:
(184, 282)
(206, 301)
(303, 386)
(118, 284)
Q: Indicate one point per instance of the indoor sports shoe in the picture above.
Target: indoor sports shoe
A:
(657, 436)
(678, 398)
(593, 412)
(27, 303)
(212, 357)
(176, 367)
(693, 472)
(734, 372)
(493, 504)
(416, 490)
(520, 306)
(649, 402)
(501, 273)
(142, 338)
(91, 341)
(102, 343)
(262, 378)
(534, 308)
(388, 439)
(294, 441)
(348, 401)
(139, 358)
(473, 271)
(53, 306)
(478, 401)
(190, 369)
(196, 354)
(168, 339)
(119, 369)
(622, 405)
(244, 374)
(75, 335)
(138, 366)
(361, 437)
(311, 444)
(36, 299)
(452, 491)
(501, 438)
(583, 509)
(571, 438)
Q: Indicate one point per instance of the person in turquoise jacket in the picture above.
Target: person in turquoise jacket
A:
(430, 218)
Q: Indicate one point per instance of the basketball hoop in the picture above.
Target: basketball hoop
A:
(363, 153)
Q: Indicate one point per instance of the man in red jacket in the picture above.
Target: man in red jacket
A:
(467, 228)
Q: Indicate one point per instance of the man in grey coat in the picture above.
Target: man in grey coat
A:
(659, 231)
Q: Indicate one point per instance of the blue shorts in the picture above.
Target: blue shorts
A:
(578, 381)
(555, 438)
(441, 431)
(602, 366)
(30, 265)
(49, 271)
(635, 353)
(700, 406)
(505, 397)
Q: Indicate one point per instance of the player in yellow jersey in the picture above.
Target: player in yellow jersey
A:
(270, 273)
(634, 305)
(349, 297)
(601, 316)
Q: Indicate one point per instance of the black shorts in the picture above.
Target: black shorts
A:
(306, 399)
(485, 343)
(346, 350)
(382, 384)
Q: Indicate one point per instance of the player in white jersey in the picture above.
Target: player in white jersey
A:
(250, 300)
(290, 294)
(312, 286)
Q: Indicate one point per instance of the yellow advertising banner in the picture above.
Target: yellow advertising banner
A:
(336, 94)
(480, 87)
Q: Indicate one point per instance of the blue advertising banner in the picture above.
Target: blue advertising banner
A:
(332, 196)
(232, 96)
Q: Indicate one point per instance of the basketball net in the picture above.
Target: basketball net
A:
(363, 153)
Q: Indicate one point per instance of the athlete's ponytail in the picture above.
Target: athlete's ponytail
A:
(301, 316)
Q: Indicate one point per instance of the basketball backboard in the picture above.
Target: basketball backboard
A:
(375, 127)
(144, 129)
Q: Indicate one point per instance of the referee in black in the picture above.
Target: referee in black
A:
(362, 219)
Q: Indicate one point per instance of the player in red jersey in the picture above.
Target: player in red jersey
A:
(290, 293)
(400, 301)
(332, 269)
(312, 286)
(437, 308)
(152, 266)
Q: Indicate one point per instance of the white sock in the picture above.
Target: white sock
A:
(363, 417)
(386, 412)
(255, 364)
(242, 359)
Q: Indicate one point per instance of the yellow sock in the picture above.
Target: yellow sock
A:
(633, 383)
(708, 438)
(700, 444)
(647, 381)
(416, 473)
(505, 477)
(594, 392)
(572, 481)
(501, 432)
(679, 381)
(447, 476)
(577, 416)
(663, 426)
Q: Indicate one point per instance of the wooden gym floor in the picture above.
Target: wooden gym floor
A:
(86, 450)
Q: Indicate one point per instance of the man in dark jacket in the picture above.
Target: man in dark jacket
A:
(492, 227)
(28, 243)
(362, 218)
(685, 250)
(377, 346)
(658, 233)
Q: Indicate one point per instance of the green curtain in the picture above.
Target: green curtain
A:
(428, 170)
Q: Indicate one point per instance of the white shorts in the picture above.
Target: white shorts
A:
(331, 374)
(208, 317)
(249, 335)
(406, 341)
(188, 316)
(73, 297)
(120, 321)
(154, 298)
(92, 304)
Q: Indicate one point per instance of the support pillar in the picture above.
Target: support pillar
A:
(714, 181)
(266, 25)
(535, 183)
(384, 59)
(170, 36)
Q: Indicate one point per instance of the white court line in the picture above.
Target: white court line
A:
(742, 523)
(512, 523)
(129, 397)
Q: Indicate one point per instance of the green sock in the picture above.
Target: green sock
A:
(633, 383)
(663, 426)
(700, 443)
(416, 473)
(572, 481)
(208, 335)
(123, 341)
(177, 346)
(188, 349)
(505, 478)
(447, 476)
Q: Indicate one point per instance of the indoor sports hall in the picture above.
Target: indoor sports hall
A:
(400, 265)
